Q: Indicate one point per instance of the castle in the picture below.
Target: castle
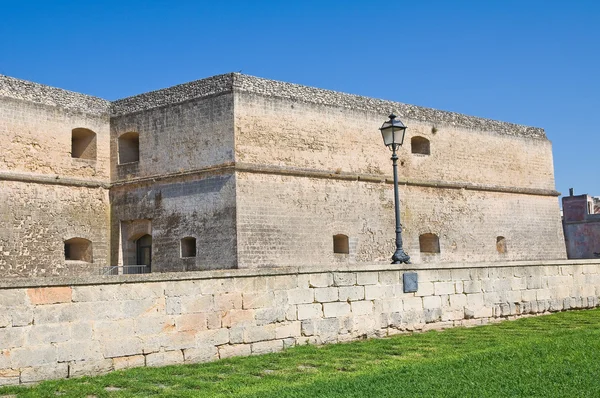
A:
(235, 171)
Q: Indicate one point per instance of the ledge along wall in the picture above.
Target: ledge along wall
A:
(66, 327)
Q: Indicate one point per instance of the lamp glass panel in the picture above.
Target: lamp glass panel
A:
(388, 136)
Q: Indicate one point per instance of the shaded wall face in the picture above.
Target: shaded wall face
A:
(583, 239)
(175, 138)
(282, 219)
(283, 132)
(575, 208)
(38, 139)
(195, 207)
(36, 220)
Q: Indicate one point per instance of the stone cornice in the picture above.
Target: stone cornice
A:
(231, 167)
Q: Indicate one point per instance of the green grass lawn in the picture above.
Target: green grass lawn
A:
(550, 356)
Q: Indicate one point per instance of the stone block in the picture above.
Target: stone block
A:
(173, 305)
(154, 325)
(321, 280)
(303, 281)
(186, 322)
(412, 304)
(195, 304)
(264, 316)
(301, 296)
(78, 350)
(460, 274)
(282, 282)
(425, 289)
(49, 295)
(213, 320)
(534, 282)
(164, 358)
(13, 337)
(182, 288)
(289, 342)
(459, 287)
(344, 278)
(121, 347)
(216, 286)
(389, 277)
(308, 311)
(432, 315)
(133, 361)
(238, 318)
(90, 368)
(364, 326)
(250, 284)
(291, 313)
(458, 301)
(265, 347)
(473, 286)
(367, 278)
(543, 294)
(440, 288)
(351, 293)
(104, 293)
(105, 330)
(388, 305)
(5, 318)
(204, 353)
(331, 310)
(33, 356)
(47, 372)
(259, 299)
(359, 308)
(326, 294)
(236, 350)
(9, 377)
(212, 337)
(228, 301)
(432, 302)
(288, 329)
(259, 333)
(377, 292)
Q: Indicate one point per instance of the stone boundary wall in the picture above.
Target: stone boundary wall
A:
(68, 327)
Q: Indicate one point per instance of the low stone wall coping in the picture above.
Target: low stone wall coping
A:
(254, 272)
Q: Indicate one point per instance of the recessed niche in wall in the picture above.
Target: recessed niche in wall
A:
(78, 249)
(429, 243)
(188, 247)
(129, 148)
(501, 244)
(419, 145)
(340, 244)
(83, 144)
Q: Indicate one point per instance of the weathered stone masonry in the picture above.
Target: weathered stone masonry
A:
(255, 173)
(66, 327)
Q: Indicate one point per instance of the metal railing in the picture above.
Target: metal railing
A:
(125, 270)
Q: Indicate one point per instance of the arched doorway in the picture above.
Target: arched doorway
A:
(143, 247)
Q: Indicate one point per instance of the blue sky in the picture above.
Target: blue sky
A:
(528, 62)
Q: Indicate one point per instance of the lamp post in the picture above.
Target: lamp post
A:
(393, 131)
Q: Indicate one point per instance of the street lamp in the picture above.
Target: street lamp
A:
(393, 131)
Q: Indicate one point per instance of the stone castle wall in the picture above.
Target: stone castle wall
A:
(311, 164)
(263, 173)
(282, 219)
(47, 196)
(68, 327)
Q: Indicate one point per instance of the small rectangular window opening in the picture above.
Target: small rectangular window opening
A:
(188, 247)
